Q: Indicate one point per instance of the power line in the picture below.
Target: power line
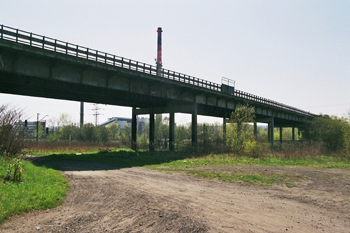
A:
(333, 105)
(96, 113)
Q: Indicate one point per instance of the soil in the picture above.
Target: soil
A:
(106, 198)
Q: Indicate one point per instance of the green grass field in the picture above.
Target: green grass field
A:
(42, 188)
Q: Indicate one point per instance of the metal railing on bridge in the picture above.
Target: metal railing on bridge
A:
(47, 43)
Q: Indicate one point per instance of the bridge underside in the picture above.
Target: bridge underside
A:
(31, 71)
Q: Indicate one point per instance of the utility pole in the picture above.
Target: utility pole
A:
(96, 113)
(37, 126)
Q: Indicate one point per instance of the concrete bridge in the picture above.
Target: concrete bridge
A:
(36, 65)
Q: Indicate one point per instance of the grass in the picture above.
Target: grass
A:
(233, 176)
(42, 188)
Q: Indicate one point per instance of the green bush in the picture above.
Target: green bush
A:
(237, 132)
(333, 132)
(54, 137)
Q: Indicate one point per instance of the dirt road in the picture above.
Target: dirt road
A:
(111, 199)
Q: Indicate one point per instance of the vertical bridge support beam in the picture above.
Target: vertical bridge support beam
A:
(171, 131)
(151, 131)
(281, 131)
(255, 130)
(133, 129)
(194, 126)
(272, 126)
(81, 114)
(293, 133)
(224, 131)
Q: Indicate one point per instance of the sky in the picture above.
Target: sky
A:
(294, 52)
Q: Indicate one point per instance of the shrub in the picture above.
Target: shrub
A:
(237, 132)
(11, 131)
(333, 132)
(89, 133)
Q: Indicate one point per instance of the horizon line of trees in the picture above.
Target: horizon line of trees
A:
(332, 132)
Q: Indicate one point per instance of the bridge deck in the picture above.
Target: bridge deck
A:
(36, 65)
(47, 43)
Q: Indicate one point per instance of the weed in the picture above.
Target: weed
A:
(14, 172)
(289, 185)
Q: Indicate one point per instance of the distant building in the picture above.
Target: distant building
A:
(31, 127)
(122, 121)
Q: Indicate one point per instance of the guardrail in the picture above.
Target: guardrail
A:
(47, 43)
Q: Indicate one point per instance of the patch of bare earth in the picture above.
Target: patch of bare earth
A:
(110, 199)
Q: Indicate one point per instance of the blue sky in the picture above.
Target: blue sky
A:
(294, 52)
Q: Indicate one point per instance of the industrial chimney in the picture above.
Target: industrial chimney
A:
(159, 52)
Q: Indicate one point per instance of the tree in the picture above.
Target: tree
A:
(11, 131)
(40, 132)
(182, 136)
(161, 131)
(332, 131)
(65, 119)
(89, 133)
(143, 139)
(104, 134)
(69, 132)
(237, 131)
(125, 136)
(114, 129)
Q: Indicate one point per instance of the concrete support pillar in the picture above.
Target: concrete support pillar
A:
(272, 126)
(281, 133)
(171, 131)
(151, 132)
(293, 133)
(255, 130)
(133, 129)
(194, 126)
(224, 131)
(268, 132)
(81, 114)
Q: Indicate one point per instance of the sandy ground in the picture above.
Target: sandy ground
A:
(110, 199)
